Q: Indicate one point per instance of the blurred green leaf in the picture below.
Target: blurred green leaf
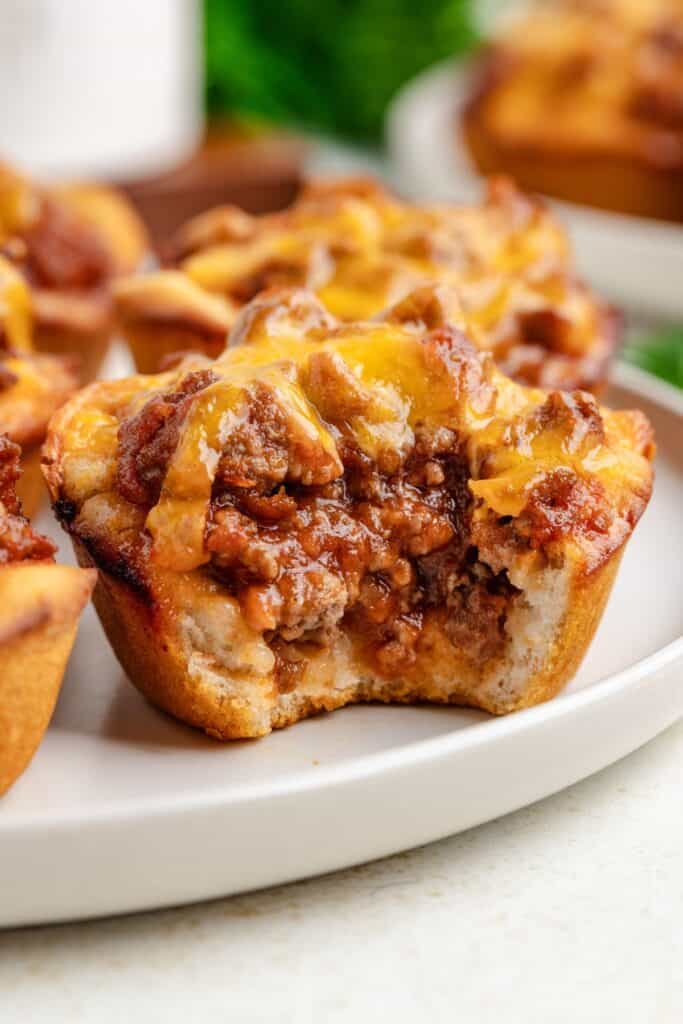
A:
(332, 65)
(660, 353)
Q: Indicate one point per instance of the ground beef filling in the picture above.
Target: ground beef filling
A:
(60, 251)
(374, 554)
(377, 550)
(18, 542)
(147, 441)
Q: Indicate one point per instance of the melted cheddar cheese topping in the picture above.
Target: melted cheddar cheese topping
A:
(360, 253)
(373, 383)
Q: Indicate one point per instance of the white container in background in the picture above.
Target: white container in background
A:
(101, 88)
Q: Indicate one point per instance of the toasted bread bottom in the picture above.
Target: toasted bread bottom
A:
(161, 641)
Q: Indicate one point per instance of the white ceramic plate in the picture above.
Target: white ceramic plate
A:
(124, 809)
(637, 262)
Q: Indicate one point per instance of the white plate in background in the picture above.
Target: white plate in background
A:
(637, 262)
(124, 809)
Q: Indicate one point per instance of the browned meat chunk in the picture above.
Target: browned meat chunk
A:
(18, 541)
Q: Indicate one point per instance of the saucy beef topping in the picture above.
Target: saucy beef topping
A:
(562, 503)
(547, 328)
(308, 538)
(60, 251)
(304, 542)
(261, 450)
(147, 440)
(18, 541)
(373, 551)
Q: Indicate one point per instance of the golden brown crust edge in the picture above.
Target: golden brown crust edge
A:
(41, 604)
(587, 602)
(144, 635)
(24, 420)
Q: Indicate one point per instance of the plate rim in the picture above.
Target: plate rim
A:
(365, 766)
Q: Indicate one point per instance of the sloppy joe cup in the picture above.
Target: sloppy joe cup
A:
(338, 512)
(70, 242)
(360, 249)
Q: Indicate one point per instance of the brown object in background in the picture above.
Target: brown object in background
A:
(258, 171)
(585, 102)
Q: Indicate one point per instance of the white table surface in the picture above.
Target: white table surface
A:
(568, 911)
